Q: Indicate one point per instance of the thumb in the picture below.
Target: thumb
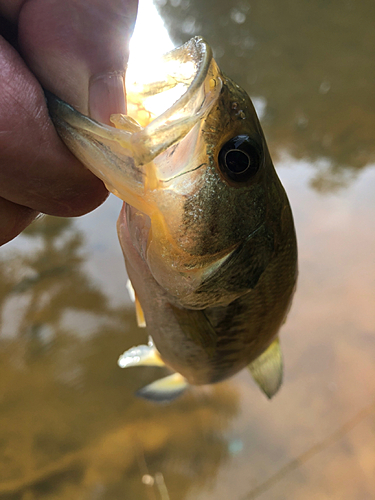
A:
(79, 50)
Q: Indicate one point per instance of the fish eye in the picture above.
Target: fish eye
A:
(240, 158)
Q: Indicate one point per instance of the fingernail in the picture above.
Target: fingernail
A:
(107, 96)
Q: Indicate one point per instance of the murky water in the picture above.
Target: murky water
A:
(70, 426)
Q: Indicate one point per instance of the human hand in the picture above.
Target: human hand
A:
(77, 49)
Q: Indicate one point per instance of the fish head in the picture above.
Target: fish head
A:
(191, 162)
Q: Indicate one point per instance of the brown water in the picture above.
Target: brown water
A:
(70, 426)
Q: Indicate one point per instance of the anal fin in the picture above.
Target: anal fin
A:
(165, 389)
(267, 369)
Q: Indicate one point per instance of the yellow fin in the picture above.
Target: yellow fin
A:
(139, 313)
(161, 391)
(141, 321)
(267, 369)
(165, 389)
(141, 355)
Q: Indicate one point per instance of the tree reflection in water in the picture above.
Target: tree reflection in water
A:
(70, 426)
(311, 63)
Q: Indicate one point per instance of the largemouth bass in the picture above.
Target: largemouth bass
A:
(206, 228)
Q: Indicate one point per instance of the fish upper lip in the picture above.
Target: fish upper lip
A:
(205, 52)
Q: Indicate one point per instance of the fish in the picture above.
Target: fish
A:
(206, 227)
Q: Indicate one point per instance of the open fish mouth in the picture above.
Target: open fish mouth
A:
(163, 106)
(174, 87)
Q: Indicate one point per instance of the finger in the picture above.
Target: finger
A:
(10, 9)
(36, 170)
(76, 45)
(13, 219)
(8, 30)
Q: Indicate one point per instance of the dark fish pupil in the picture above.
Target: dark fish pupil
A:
(237, 161)
(241, 157)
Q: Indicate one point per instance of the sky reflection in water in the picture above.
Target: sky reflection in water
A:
(70, 426)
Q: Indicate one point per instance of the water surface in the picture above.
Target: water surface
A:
(70, 426)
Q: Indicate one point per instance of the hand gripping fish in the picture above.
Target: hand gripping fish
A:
(206, 228)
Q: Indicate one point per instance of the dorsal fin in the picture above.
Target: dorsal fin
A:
(267, 369)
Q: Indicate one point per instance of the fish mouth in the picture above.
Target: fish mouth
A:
(175, 87)
(163, 107)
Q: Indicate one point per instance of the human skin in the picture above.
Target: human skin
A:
(77, 49)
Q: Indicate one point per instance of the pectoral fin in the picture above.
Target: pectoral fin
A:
(161, 391)
(165, 389)
(267, 369)
(141, 355)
